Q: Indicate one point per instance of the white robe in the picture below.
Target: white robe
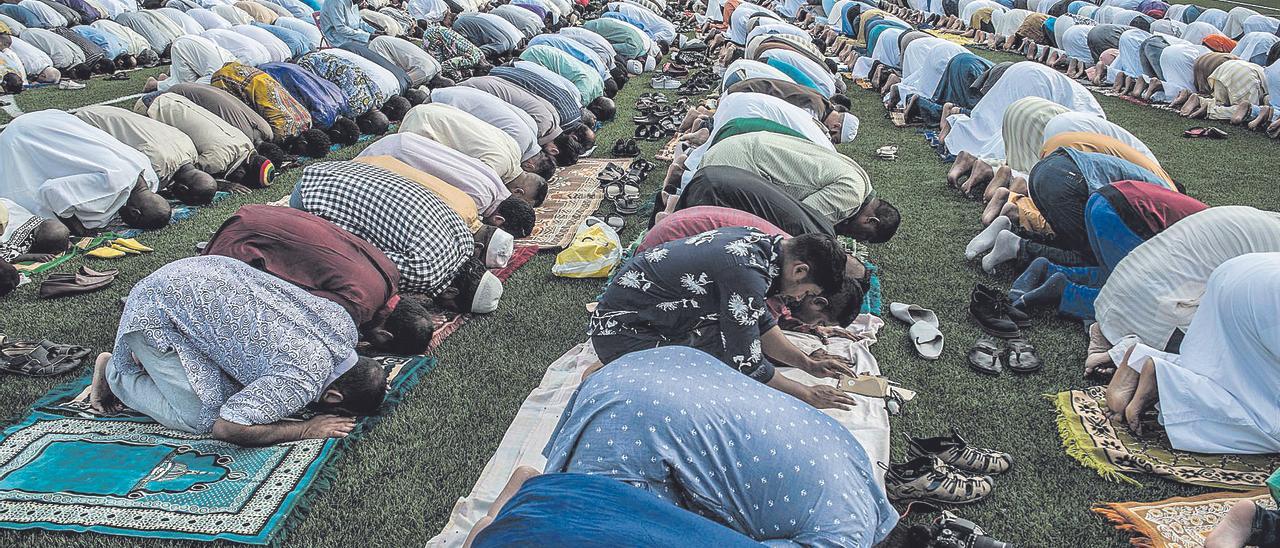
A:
(195, 59)
(1254, 43)
(747, 69)
(887, 51)
(56, 165)
(1219, 395)
(923, 65)
(278, 51)
(247, 50)
(1129, 60)
(979, 133)
(1178, 63)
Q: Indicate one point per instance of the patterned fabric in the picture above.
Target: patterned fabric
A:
(413, 226)
(361, 92)
(17, 229)
(256, 349)
(452, 50)
(566, 105)
(1179, 522)
(762, 462)
(1113, 451)
(287, 116)
(324, 100)
(717, 281)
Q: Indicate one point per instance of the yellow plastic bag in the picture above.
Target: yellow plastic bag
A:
(595, 251)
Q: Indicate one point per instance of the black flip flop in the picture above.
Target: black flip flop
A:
(985, 356)
(1020, 356)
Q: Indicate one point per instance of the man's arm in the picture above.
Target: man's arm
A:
(258, 435)
(820, 396)
(779, 349)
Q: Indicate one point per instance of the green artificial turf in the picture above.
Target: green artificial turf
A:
(97, 90)
(397, 486)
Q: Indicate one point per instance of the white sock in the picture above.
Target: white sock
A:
(984, 240)
(1005, 249)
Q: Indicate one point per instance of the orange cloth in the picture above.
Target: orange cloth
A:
(1029, 215)
(1219, 43)
(1105, 144)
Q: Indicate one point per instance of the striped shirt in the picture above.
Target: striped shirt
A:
(1237, 81)
(1023, 130)
(830, 183)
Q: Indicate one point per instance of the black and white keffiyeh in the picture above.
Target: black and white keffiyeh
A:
(426, 239)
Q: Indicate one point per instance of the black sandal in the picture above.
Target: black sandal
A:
(985, 356)
(626, 148)
(40, 359)
(1021, 356)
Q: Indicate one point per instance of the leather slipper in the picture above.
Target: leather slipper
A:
(63, 287)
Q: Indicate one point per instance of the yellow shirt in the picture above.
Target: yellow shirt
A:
(457, 200)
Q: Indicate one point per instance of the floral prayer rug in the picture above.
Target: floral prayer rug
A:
(1113, 451)
(66, 468)
(1182, 522)
(572, 195)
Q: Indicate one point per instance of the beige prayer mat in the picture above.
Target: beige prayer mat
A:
(573, 195)
(1182, 522)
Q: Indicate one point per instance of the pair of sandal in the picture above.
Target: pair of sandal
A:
(40, 358)
(991, 355)
(700, 83)
(648, 101)
(945, 470)
(86, 280)
(626, 148)
(1200, 132)
(622, 188)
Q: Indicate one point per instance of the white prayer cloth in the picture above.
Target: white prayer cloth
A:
(498, 113)
(1089, 123)
(538, 416)
(1178, 63)
(738, 21)
(766, 29)
(1197, 31)
(135, 41)
(967, 12)
(232, 14)
(979, 133)
(1272, 76)
(1129, 60)
(246, 49)
(277, 50)
(1219, 395)
(923, 64)
(427, 10)
(208, 19)
(56, 165)
(195, 59)
(1155, 290)
(64, 53)
(887, 51)
(1167, 27)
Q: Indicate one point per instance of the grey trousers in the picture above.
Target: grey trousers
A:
(160, 389)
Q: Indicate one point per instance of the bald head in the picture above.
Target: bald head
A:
(192, 186)
(145, 209)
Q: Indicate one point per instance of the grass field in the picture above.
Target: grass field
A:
(397, 485)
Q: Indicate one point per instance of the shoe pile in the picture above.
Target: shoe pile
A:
(1002, 325)
(700, 83)
(622, 187)
(945, 470)
(657, 119)
(86, 280)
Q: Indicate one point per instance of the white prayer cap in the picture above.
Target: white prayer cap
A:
(650, 62)
(634, 66)
(488, 293)
(849, 129)
(499, 250)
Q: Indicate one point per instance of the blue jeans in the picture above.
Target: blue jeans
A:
(1110, 238)
(159, 390)
(295, 199)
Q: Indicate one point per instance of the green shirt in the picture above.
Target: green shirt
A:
(584, 77)
(627, 40)
(740, 126)
(828, 182)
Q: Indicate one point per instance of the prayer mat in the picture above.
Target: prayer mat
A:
(1181, 522)
(146, 480)
(1113, 451)
(898, 118)
(572, 195)
(1107, 92)
(953, 38)
(668, 151)
(448, 321)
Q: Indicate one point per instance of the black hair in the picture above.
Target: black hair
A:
(825, 257)
(567, 150)
(518, 216)
(603, 108)
(889, 221)
(467, 281)
(543, 165)
(396, 107)
(148, 58)
(104, 66)
(81, 71)
(126, 61)
(317, 143)
(51, 236)
(373, 122)
(12, 83)
(440, 81)
(411, 327)
(540, 195)
(9, 278)
(344, 131)
(837, 107)
(416, 96)
(846, 304)
(147, 218)
(584, 137)
(832, 66)
(363, 387)
(274, 153)
(620, 75)
(610, 88)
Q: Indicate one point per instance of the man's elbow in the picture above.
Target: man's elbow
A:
(231, 432)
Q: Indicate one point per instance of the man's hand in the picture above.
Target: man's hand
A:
(838, 332)
(821, 363)
(827, 397)
(234, 188)
(327, 426)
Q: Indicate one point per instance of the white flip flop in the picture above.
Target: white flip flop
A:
(912, 313)
(925, 336)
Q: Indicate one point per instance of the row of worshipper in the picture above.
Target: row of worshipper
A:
(1097, 229)
(519, 122)
(1208, 63)
(417, 212)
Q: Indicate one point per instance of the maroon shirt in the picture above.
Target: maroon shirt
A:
(699, 219)
(313, 254)
(1149, 209)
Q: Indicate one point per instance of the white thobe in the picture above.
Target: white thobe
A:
(923, 65)
(463, 172)
(246, 49)
(195, 59)
(496, 112)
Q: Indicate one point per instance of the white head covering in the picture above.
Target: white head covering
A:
(499, 249)
(488, 293)
(849, 129)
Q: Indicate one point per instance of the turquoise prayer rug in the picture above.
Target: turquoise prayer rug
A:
(65, 468)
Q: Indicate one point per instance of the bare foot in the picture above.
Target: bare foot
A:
(1144, 397)
(995, 206)
(1097, 358)
(1273, 130)
(964, 162)
(979, 176)
(697, 138)
(1153, 87)
(1000, 180)
(1264, 116)
(151, 85)
(1121, 388)
(1234, 529)
(1237, 116)
(1019, 185)
(101, 400)
(1180, 98)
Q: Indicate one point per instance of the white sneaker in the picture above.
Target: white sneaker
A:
(69, 84)
(664, 82)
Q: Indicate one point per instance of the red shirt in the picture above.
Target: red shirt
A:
(699, 219)
(1149, 206)
(313, 254)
